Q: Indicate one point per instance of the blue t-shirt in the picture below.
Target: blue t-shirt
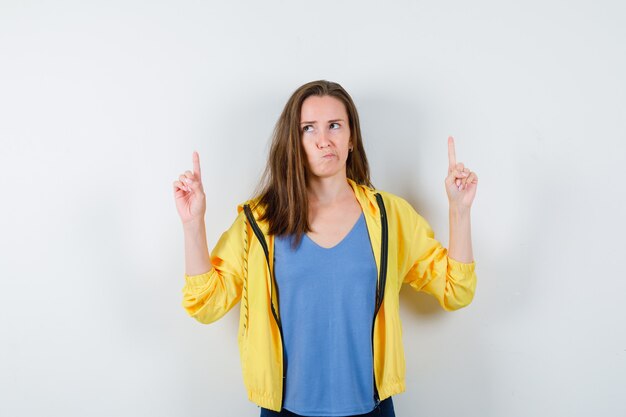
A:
(327, 299)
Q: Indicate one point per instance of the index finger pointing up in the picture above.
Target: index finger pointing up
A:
(196, 164)
(451, 153)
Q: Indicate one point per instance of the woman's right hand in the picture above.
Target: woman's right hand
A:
(189, 194)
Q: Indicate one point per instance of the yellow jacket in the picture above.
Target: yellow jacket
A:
(406, 252)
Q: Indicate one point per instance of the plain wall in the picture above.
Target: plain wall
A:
(102, 104)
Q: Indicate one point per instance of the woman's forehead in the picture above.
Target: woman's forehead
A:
(322, 108)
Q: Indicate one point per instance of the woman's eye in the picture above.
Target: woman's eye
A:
(305, 128)
(337, 124)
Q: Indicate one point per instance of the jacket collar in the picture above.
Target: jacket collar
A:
(364, 195)
(366, 198)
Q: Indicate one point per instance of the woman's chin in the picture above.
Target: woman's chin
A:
(327, 173)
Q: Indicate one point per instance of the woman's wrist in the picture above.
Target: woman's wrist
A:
(194, 225)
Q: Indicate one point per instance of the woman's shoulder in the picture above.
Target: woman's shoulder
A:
(393, 200)
(399, 207)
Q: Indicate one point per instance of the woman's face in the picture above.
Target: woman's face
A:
(325, 136)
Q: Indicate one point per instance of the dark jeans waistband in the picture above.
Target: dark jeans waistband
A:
(384, 409)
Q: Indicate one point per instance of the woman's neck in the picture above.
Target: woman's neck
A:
(327, 191)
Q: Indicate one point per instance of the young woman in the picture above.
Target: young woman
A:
(318, 258)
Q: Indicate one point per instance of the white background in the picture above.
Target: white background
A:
(102, 104)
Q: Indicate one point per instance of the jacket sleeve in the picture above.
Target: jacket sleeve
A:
(432, 271)
(209, 296)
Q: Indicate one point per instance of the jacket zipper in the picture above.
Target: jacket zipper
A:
(380, 290)
(261, 238)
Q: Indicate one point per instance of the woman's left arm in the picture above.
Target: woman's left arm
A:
(461, 184)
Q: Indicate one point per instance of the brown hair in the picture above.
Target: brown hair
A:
(283, 194)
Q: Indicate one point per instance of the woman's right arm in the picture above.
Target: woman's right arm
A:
(197, 259)
(191, 206)
(213, 283)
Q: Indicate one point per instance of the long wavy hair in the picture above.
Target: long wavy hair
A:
(283, 186)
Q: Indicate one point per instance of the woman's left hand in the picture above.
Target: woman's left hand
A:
(461, 183)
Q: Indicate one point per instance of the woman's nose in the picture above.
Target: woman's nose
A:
(323, 140)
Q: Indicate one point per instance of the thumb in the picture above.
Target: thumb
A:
(455, 176)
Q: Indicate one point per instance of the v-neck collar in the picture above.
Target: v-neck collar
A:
(343, 239)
